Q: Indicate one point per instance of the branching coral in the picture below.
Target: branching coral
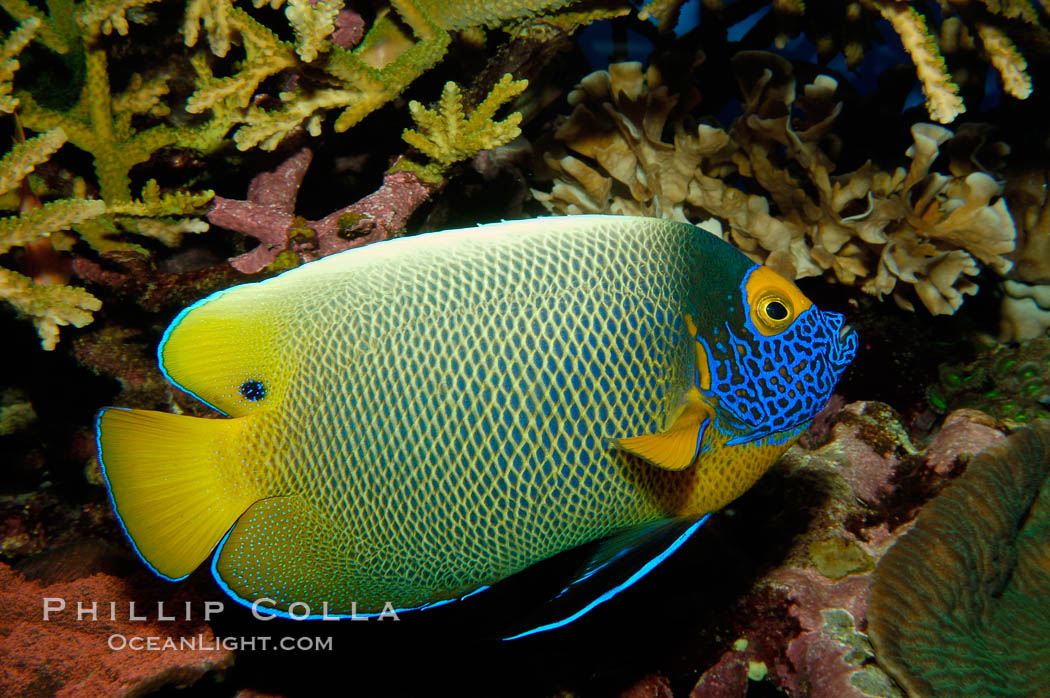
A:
(959, 605)
(48, 305)
(872, 229)
(285, 239)
(101, 125)
(12, 46)
(942, 95)
(447, 135)
(846, 28)
(404, 41)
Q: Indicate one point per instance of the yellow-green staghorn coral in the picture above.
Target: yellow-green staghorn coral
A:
(405, 39)
(447, 135)
(101, 124)
(959, 27)
(12, 46)
(49, 306)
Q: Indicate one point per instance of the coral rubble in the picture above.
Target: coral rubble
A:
(959, 604)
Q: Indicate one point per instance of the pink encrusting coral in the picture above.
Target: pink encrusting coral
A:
(268, 214)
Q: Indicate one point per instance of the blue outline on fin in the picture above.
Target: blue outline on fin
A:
(700, 439)
(113, 502)
(277, 613)
(645, 569)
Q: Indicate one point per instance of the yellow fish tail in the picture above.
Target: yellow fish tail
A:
(171, 487)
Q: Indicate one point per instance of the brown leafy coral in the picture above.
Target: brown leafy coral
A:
(1026, 294)
(877, 230)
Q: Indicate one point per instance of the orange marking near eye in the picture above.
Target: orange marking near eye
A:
(703, 369)
(763, 280)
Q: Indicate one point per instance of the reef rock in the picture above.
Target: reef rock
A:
(121, 643)
(803, 624)
(961, 604)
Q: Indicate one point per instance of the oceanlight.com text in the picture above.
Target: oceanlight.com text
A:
(193, 643)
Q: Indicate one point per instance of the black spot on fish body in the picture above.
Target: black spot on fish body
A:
(252, 389)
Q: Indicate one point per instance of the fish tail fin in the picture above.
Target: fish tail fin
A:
(172, 489)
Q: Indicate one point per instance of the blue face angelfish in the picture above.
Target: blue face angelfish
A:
(414, 420)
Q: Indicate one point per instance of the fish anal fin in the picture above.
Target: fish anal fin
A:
(614, 563)
(677, 447)
(171, 490)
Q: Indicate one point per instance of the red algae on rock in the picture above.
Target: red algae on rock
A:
(45, 651)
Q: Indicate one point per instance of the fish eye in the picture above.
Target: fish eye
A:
(253, 390)
(774, 311)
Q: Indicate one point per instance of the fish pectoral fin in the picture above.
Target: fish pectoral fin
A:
(169, 489)
(678, 446)
(612, 565)
(283, 550)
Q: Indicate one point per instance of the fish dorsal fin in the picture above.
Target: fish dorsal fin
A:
(676, 447)
(226, 349)
(614, 564)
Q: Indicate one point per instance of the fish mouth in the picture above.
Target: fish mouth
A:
(848, 343)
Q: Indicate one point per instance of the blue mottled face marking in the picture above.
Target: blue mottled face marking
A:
(253, 390)
(780, 371)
